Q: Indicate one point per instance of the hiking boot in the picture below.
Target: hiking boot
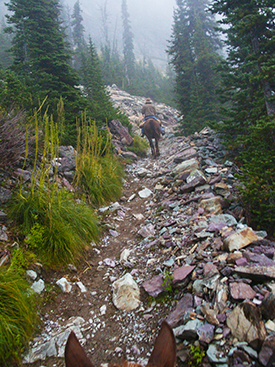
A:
(162, 131)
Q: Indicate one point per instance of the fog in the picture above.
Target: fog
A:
(151, 22)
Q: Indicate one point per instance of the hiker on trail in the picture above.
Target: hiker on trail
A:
(149, 112)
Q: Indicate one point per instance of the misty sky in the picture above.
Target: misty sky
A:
(151, 22)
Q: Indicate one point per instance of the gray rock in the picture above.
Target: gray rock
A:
(82, 287)
(41, 352)
(3, 234)
(31, 274)
(190, 165)
(216, 354)
(147, 231)
(189, 331)
(228, 219)
(5, 195)
(3, 217)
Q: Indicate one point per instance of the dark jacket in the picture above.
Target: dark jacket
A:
(148, 110)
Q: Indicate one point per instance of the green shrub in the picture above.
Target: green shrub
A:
(58, 228)
(167, 281)
(139, 147)
(21, 259)
(196, 356)
(17, 316)
(99, 173)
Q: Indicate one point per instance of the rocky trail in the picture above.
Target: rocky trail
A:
(178, 237)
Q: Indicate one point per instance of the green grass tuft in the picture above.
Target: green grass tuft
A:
(140, 146)
(57, 230)
(17, 316)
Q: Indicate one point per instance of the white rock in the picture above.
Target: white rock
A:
(139, 216)
(38, 286)
(270, 326)
(124, 256)
(103, 310)
(64, 285)
(82, 287)
(31, 274)
(126, 294)
(145, 193)
(131, 197)
(115, 206)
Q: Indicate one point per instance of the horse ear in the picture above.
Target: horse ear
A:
(164, 352)
(74, 353)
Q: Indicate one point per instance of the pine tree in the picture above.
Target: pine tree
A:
(66, 19)
(99, 105)
(248, 90)
(128, 44)
(193, 54)
(78, 28)
(77, 34)
(41, 58)
(249, 69)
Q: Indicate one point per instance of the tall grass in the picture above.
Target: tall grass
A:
(17, 316)
(59, 230)
(99, 173)
(57, 227)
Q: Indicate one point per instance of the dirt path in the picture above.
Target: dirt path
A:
(111, 334)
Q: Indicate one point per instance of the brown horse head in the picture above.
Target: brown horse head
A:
(152, 131)
(163, 354)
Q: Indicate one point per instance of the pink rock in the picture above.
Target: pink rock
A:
(185, 304)
(154, 286)
(181, 273)
(241, 291)
(241, 262)
(209, 268)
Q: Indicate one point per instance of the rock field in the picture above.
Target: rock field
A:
(176, 247)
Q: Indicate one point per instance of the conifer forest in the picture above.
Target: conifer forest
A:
(220, 73)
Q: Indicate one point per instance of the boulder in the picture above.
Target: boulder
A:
(246, 324)
(240, 239)
(126, 294)
(120, 131)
